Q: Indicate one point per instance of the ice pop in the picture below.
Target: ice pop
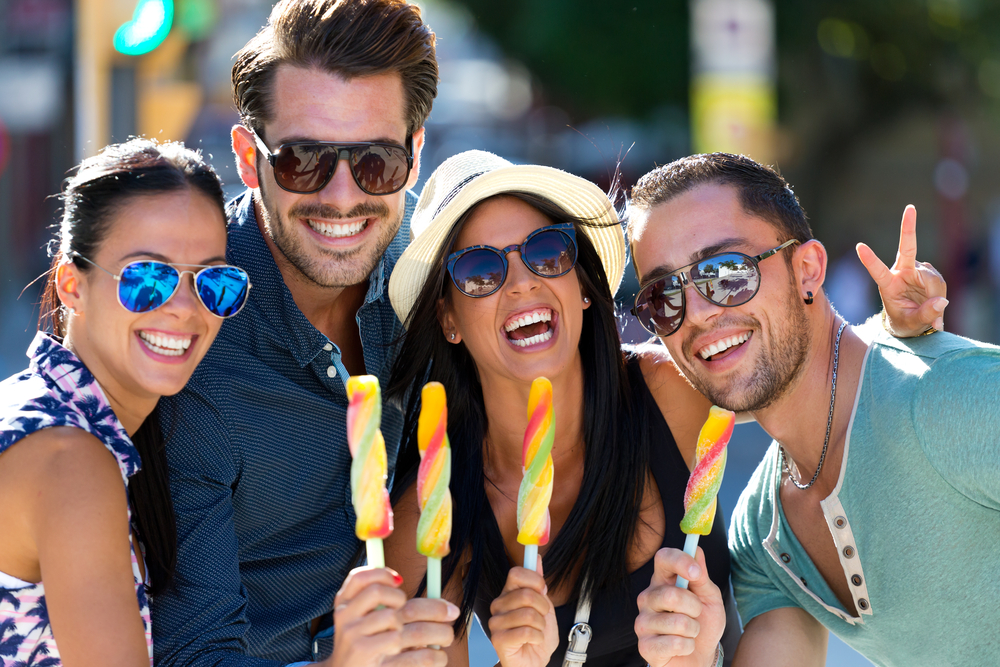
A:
(706, 478)
(533, 521)
(433, 477)
(369, 467)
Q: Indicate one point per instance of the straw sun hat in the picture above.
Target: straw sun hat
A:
(470, 177)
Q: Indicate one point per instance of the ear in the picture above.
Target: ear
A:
(447, 322)
(245, 149)
(418, 145)
(68, 279)
(809, 262)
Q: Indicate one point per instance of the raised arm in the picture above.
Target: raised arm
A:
(913, 293)
(786, 637)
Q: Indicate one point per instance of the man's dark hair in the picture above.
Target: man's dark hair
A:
(349, 38)
(762, 190)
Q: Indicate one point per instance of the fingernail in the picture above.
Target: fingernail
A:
(452, 611)
(940, 305)
(694, 572)
(397, 578)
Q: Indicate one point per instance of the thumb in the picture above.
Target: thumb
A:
(702, 585)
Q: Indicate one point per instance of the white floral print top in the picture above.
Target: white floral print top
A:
(55, 390)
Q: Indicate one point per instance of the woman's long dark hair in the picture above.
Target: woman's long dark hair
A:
(101, 186)
(601, 526)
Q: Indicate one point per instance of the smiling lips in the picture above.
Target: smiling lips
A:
(723, 345)
(167, 345)
(336, 231)
(530, 328)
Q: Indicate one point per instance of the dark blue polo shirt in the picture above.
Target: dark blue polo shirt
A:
(259, 469)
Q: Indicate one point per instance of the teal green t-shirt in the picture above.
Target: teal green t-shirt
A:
(915, 514)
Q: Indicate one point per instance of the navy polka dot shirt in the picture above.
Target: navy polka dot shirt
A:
(260, 469)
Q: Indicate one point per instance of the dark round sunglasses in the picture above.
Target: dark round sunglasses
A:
(147, 285)
(480, 270)
(729, 279)
(305, 167)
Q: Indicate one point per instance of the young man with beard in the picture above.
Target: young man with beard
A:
(876, 512)
(332, 96)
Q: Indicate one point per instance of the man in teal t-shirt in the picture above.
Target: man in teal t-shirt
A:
(876, 512)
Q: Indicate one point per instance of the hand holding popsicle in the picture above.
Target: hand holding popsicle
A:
(523, 627)
(703, 486)
(533, 521)
(369, 467)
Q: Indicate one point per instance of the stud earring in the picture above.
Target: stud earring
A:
(586, 299)
(809, 298)
(451, 336)
(72, 311)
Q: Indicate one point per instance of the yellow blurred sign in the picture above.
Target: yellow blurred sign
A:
(734, 114)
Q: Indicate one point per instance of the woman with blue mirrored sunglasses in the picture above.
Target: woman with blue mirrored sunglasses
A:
(105, 352)
(147, 285)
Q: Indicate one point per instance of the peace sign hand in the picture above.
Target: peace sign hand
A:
(913, 293)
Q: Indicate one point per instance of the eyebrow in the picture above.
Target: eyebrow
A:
(303, 139)
(166, 260)
(714, 249)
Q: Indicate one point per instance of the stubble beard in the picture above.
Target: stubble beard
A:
(779, 361)
(324, 266)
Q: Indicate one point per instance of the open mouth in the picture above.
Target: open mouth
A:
(168, 346)
(724, 347)
(337, 231)
(531, 328)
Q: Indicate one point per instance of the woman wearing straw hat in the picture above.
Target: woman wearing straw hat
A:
(510, 276)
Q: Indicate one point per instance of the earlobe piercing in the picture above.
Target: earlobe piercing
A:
(586, 299)
(809, 298)
(72, 311)
(451, 336)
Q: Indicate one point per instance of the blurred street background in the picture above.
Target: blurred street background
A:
(864, 106)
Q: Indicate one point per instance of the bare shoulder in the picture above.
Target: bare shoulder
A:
(682, 406)
(59, 455)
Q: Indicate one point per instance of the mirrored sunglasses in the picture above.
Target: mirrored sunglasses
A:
(305, 167)
(480, 270)
(729, 279)
(145, 286)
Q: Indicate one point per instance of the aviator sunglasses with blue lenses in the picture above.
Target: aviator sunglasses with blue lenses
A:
(146, 285)
(729, 279)
(480, 270)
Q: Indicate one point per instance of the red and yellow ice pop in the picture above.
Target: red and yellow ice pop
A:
(533, 521)
(433, 477)
(700, 496)
(369, 467)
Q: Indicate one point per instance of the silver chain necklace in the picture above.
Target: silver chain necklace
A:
(829, 420)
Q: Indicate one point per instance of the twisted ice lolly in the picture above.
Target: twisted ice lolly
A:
(533, 522)
(706, 478)
(369, 467)
(433, 477)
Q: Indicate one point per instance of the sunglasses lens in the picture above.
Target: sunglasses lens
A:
(380, 170)
(660, 306)
(550, 253)
(478, 272)
(304, 167)
(223, 289)
(145, 286)
(728, 280)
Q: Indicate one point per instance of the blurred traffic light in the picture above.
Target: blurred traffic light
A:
(149, 26)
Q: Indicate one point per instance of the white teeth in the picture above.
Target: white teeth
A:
(534, 340)
(337, 231)
(530, 318)
(722, 345)
(169, 346)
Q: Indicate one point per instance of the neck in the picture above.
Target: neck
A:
(506, 402)
(326, 308)
(798, 419)
(130, 409)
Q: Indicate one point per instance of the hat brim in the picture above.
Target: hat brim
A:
(576, 196)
